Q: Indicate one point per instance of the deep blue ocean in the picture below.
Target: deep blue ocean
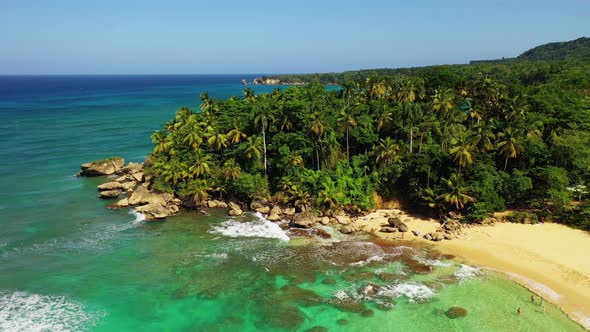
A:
(67, 263)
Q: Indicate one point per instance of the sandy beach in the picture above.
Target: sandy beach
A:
(550, 259)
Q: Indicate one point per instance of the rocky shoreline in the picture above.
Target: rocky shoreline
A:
(132, 187)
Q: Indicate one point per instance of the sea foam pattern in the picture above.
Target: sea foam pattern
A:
(261, 227)
(22, 311)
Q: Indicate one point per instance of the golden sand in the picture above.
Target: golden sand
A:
(550, 259)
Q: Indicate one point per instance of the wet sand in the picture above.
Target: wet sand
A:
(550, 259)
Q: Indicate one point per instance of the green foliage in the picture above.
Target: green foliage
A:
(249, 186)
(479, 138)
(523, 217)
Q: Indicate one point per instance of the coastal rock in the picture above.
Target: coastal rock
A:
(123, 178)
(102, 167)
(388, 230)
(304, 220)
(416, 233)
(370, 289)
(456, 312)
(114, 185)
(234, 209)
(138, 176)
(153, 211)
(120, 204)
(434, 236)
(398, 223)
(289, 211)
(343, 220)
(143, 196)
(273, 217)
(347, 229)
(133, 168)
(129, 185)
(276, 210)
(257, 203)
(109, 194)
(324, 220)
(221, 204)
(211, 204)
(263, 209)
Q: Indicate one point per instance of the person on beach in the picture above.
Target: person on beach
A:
(518, 311)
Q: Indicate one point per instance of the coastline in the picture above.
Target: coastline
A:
(548, 259)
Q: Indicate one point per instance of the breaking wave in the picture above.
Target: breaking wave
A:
(261, 227)
(22, 311)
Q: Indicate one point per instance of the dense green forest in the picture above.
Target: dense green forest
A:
(472, 138)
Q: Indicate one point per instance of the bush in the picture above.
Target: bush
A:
(248, 186)
(523, 217)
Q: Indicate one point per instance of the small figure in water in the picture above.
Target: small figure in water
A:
(533, 298)
(543, 304)
(518, 311)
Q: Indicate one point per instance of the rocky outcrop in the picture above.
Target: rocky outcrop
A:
(303, 220)
(343, 219)
(274, 214)
(398, 223)
(234, 209)
(263, 210)
(434, 236)
(347, 229)
(113, 185)
(109, 194)
(386, 229)
(102, 167)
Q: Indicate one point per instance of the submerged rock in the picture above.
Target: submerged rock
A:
(102, 167)
(456, 312)
(342, 322)
(347, 229)
(317, 329)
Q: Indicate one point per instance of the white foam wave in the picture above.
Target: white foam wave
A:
(413, 291)
(582, 319)
(467, 272)
(22, 311)
(261, 227)
(539, 288)
(139, 217)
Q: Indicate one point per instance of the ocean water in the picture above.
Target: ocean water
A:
(69, 264)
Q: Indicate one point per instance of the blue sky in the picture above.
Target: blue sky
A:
(230, 36)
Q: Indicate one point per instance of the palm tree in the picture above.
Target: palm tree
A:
(509, 144)
(162, 142)
(201, 164)
(317, 128)
(236, 135)
(231, 170)
(385, 116)
(199, 189)
(463, 154)
(194, 137)
(218, 141)
(249, 95)
(483, 137)
(174, 171)
(457, 195)
(262, 119)
(443, 102)
(253, 148)
(349, 121)
(387, 151)
(206, 103)
(411, 113)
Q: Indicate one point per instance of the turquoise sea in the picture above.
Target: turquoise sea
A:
(67, 263)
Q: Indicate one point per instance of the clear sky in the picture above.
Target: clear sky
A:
(252, 36)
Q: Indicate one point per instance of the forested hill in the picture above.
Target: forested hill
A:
(555, 55)
(578, 49)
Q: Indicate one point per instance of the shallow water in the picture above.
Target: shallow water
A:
(70, 264)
